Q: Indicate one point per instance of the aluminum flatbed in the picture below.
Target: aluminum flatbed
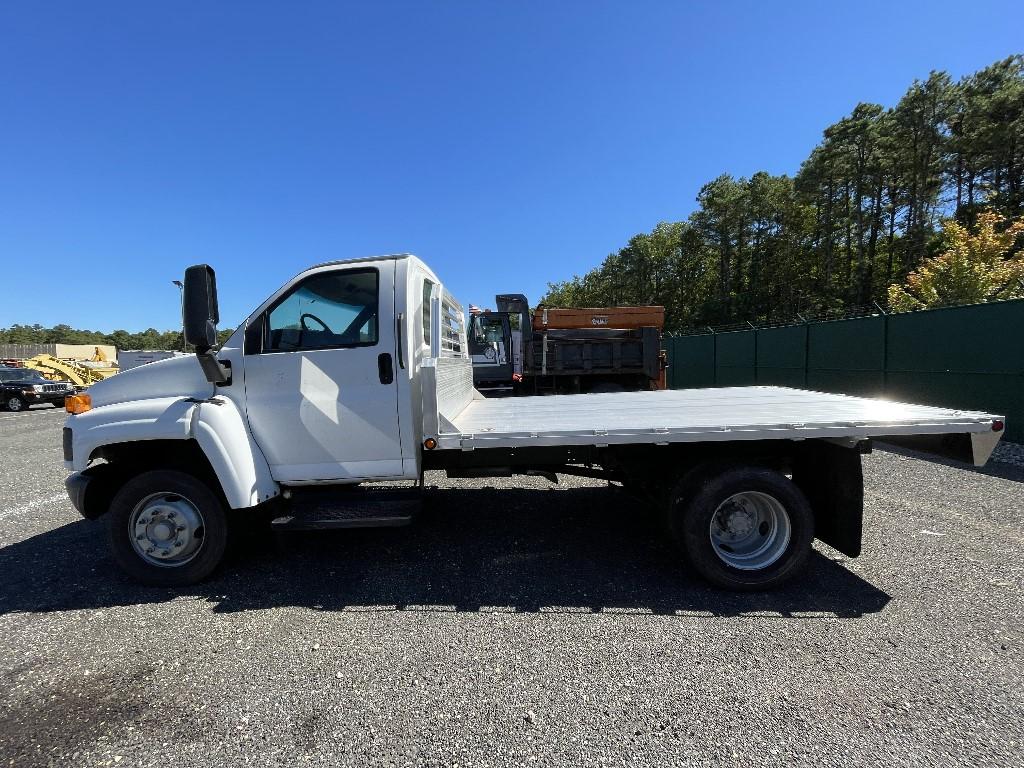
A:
(699, 415)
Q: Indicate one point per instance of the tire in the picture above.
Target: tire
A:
(158, 548)
(14, 403)
(742, 528)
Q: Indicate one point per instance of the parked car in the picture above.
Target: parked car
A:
(22, 387)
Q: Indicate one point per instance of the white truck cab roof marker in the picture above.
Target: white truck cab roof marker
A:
(382, 257)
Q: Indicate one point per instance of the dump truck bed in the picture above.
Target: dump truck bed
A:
(598, 317)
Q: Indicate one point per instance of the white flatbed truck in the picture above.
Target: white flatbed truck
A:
(326, 406)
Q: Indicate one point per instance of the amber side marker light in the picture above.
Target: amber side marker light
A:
(430, 443)
(77, 403)
(997, 426)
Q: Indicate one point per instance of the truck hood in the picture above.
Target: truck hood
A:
(173, 377)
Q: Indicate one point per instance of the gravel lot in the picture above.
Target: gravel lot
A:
(516, 623)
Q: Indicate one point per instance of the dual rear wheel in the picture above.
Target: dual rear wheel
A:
(742, 528)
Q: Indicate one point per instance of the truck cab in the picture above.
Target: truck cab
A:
(340, 327)
(316, 388)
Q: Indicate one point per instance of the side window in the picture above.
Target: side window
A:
(428, 289)
(326, 311)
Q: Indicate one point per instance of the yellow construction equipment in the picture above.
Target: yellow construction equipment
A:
(68, 370)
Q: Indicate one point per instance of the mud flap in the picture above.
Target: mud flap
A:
(832, 480)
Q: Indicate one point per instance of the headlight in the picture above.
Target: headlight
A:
(39, 387)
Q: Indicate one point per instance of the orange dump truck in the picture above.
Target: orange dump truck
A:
(596, 349)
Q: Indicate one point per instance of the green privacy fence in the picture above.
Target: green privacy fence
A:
(968, 357)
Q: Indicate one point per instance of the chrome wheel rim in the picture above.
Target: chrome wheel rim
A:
(14, 404)
(166, 530)
(750, 530)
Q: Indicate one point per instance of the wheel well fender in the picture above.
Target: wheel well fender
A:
(221, 431)
(218, 448)
(122, 461)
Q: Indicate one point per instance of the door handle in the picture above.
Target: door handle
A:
(384, 369)
(398, 335)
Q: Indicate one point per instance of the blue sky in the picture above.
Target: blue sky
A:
(508, 144)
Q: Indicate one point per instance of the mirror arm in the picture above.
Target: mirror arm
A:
(216, 371)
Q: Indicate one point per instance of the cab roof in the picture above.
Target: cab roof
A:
(387, 257)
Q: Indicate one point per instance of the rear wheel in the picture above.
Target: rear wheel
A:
(744, 528)
(166, 528)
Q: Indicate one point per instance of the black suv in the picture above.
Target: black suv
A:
(22, 387)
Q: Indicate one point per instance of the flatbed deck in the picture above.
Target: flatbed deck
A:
(673, 416)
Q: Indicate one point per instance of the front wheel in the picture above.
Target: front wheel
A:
(15, 403)
(744, 528)
(166, 528)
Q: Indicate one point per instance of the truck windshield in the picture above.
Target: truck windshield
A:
(486, 329)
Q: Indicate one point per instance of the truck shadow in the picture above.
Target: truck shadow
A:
(483, 549)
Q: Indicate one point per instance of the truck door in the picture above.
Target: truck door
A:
(320, 388)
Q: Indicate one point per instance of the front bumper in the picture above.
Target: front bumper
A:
(76, 485)
(57, 398)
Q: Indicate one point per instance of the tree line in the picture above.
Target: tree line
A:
(65, 334)
(864, 211)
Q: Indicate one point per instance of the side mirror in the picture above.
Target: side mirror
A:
(199, 318)
(200, 313)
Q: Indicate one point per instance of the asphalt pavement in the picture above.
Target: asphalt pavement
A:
(516, 623)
